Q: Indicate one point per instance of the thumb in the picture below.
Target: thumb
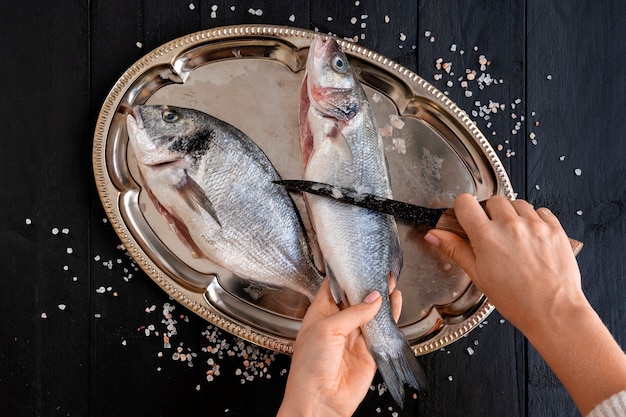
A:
(353, 317)
(455, 247)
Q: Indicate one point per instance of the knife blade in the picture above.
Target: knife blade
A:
(440, 218)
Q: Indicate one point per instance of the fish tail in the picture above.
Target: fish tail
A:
(398, 368)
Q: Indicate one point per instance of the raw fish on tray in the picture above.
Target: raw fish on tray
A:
(341, 145)
(214, 186)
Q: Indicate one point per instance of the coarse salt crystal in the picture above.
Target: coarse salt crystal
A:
(192, 6)
(578, 172)
(292, 18)
(470, 351)
(29, 221)
(69, 251)
(468, 93)
(44, 315)
(402, 37)
(453, 47)
(562, 157)
(579, 212)
(450, 378)
(55, 231)
(427, 34)
(62, 307)
(386, 18)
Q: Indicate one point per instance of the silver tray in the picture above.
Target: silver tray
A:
(250, 77)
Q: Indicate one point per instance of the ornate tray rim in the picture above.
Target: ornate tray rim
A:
(109, 194)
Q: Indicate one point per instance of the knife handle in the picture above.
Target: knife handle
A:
(449, 222)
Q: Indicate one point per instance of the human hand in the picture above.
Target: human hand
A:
(332, 368)
(518, 256)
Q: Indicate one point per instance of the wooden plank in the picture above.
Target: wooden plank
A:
(460, 33)
(44, 140)
(578, 98)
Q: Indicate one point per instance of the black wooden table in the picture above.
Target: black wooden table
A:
(82, 328)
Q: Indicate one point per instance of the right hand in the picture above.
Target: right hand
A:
(519, 257)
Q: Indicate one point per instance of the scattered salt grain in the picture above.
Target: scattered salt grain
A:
(578, 172)
(44, 315)
(386, 18)
(62, 307)
(402, 37)
(192, 6)
(549, 77)
(450, 378)
(427, 34)
(453, 47)
(257, 12)
(562, 157)
(292, 18)
(55, 231)
(138, 45)
(69, 251)
(537, 187)
(29, 221)
(470, 351)
(579, 212)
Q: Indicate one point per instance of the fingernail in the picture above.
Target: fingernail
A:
(371, 297)
(432, 239)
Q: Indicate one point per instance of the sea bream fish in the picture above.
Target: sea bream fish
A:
(214, 186)
(342, 146)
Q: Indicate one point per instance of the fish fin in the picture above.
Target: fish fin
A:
(396, 259)
(177, 226)
(306, 137)
(399, 368)
(195, 197)
(335, 289)
(341, 144)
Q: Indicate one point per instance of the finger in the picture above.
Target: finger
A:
(351, 318)
(323, 304)
(470, 214)
(455, 247)
(500, 207)
(524, 208)
(546, 215)
(395, 299)
(392, 283)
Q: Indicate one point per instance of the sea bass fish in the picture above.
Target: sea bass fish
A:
(341, 145)
(214, 186)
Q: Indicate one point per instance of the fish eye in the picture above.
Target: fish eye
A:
(169, 116)
(340, 64)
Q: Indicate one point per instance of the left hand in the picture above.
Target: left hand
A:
(332, 368)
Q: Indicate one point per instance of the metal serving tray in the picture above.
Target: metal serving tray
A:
(250, 77)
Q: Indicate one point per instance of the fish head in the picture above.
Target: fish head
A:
(162, 135)
(331, 82)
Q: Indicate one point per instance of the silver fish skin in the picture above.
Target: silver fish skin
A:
(214, 186)
(341, 145)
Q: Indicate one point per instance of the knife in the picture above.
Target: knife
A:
(440, 218)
